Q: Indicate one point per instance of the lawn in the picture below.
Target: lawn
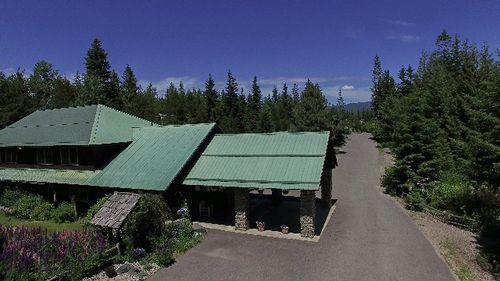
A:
(49, 225)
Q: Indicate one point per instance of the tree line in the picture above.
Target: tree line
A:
(442, 123)
(285, 109)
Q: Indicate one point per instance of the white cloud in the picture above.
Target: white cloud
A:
(354, 94)
(347, 87)
(403, 37)
(401, 23)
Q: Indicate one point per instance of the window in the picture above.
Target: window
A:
(44, 156)
(10, 156)
(69, 156)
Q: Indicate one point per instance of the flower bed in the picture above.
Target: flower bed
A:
(35, 254)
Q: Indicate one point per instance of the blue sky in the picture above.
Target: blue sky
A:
(331, 42)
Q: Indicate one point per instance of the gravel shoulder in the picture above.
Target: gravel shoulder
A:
(459, 248)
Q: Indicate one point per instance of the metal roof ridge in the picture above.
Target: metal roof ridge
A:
(67, 107)
(187, 125)
(95, 124)
(123, 112)
(183, 166)
(250, 181)
(274, 133)
(262, 155)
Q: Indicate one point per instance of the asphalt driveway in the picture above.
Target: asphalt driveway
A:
(369, 237)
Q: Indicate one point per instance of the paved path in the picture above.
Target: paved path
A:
(368, 238)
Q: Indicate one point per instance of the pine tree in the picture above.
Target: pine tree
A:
(211, 97)
(98, 75)
(16, 99)
(254, 106)
(129, 90)
(96, 62)
(114, 97)
(376, 78)
(312, 109)
(230, 105)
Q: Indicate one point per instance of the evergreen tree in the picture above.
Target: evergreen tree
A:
(211, 97)
(97, 78)
(230, 105)
(254, 106)
(377, 72)
(114, 97)
(312, 109)
(96, 62)
(129, 90)
(16, 99)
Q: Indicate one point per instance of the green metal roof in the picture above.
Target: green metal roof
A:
(46, 175)
(83, 125)
(279, 160)
(154, 158)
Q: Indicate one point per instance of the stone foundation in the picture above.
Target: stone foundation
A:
(241, 207)
(307, 213)
(326, 188)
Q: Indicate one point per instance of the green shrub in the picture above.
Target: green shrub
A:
(450, 192)
(145, 223)
(24, 206)
(9, 197)
(415, 200)
(44, 211)
(65, 212)
(164, 255)
(396, 178)
(96, 207)
(180, 235)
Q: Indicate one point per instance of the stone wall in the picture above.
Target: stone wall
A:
(307, 213)
(326, 187)
(241, 208)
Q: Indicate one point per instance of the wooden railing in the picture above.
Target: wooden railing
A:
(449, 218)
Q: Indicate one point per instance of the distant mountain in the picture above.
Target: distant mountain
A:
(359, 106)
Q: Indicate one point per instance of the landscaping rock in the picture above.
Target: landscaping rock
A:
(110, 271)
(197, 228)
(125, 268)
(177, 222)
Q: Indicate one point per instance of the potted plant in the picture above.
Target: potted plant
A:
(284, 229)
(261, 226)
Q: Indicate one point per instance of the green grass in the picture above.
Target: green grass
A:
(49, 225)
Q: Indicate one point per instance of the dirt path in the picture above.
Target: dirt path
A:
(369, 237)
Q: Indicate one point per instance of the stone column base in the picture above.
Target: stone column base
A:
(307, 213)
(241, 208)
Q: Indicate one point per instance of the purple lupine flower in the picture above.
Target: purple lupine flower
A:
(182, 211)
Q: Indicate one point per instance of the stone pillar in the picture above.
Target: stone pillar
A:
(241, 208)
(326, 188)
(307, 213)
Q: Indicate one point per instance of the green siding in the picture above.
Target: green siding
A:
(83, 125)
(46, 175)
(278, 160)
(154, 158)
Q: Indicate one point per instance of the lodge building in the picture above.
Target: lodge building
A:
(79, 154)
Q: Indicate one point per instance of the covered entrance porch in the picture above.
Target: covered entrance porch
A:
(270, 178)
